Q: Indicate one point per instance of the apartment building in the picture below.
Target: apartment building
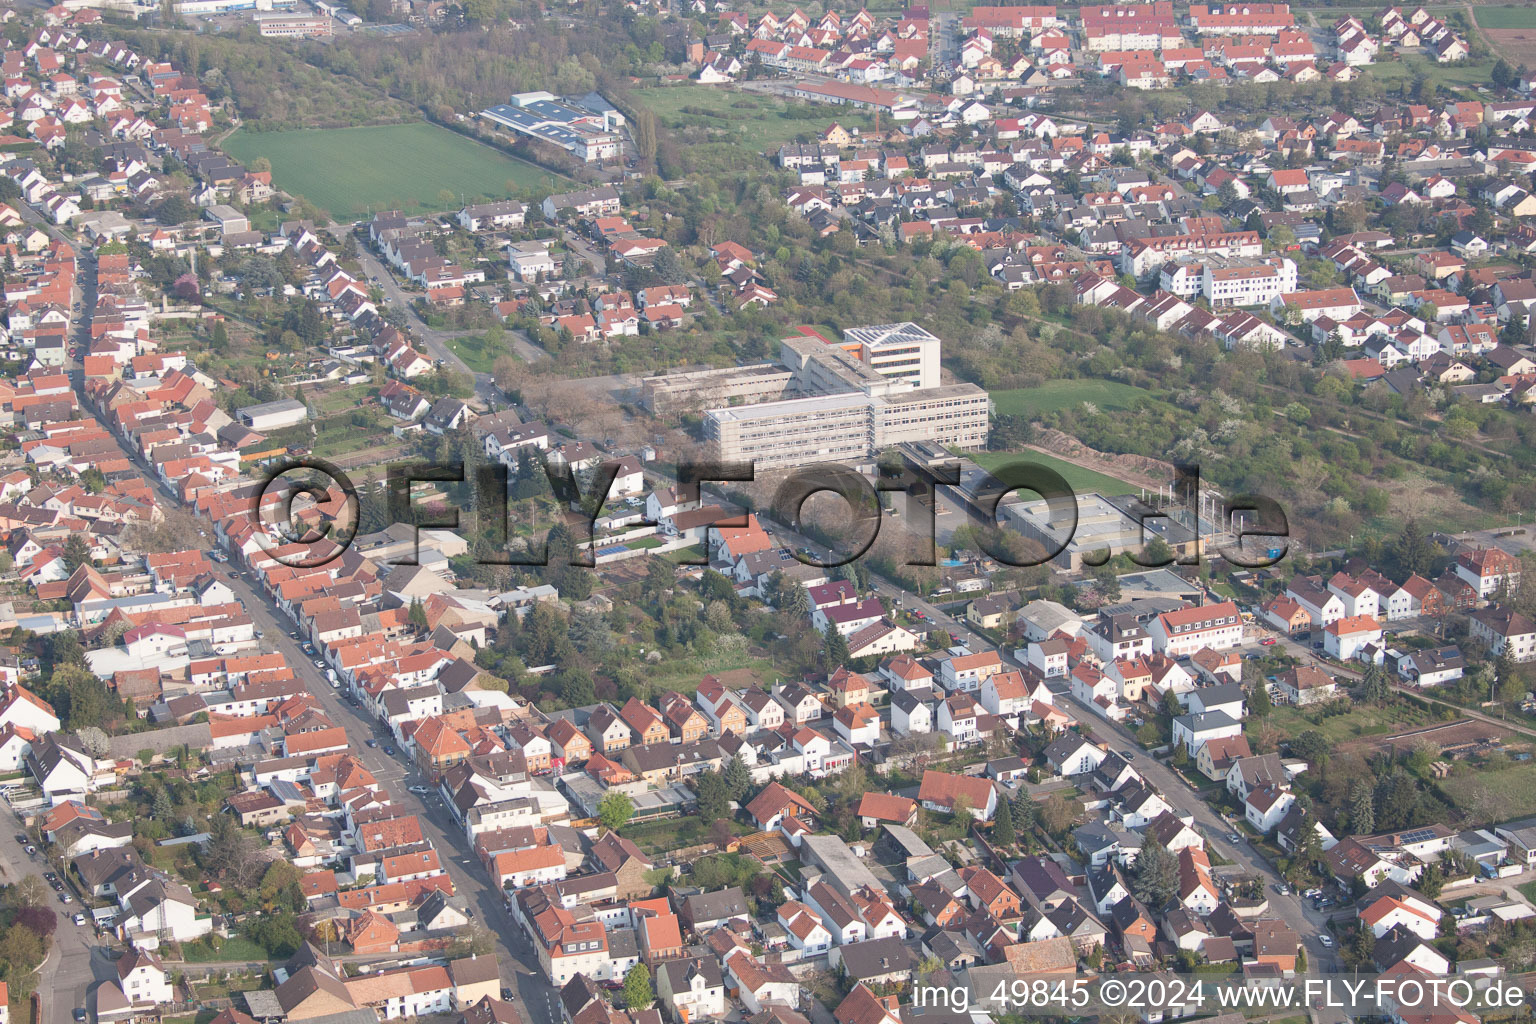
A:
(1246, 282)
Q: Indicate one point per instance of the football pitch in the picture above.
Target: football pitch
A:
(350, 171)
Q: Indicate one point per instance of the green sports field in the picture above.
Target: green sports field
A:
(1079, 479)
(1505, 17)
(349, 171)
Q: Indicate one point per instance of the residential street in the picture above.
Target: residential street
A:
(1307, 922)
(515, 953)
(435, 341)
(75, 962)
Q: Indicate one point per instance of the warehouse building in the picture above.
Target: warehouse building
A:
(273, 415)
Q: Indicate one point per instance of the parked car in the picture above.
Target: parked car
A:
(79, 919)
(1326, 941)
(371, 742)
(1268, 641)
(390, 751)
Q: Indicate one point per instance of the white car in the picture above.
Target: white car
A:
(1326, 941)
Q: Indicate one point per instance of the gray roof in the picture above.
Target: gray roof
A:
(716, 906)
(680, 973)
(876, 957)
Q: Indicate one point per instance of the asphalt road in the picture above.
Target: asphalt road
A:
(75, 962)
(435, 340)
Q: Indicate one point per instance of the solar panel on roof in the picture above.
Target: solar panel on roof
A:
(1418, 835)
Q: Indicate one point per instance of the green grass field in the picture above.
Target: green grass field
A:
(347, 171)
(755, 121)
(1363, 721)
(1513, 787)
(1056, 395)
(1453, 76)
(1079, 479)
(479, 352)
(1505, 17)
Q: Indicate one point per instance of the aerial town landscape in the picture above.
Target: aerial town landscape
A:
(649, 511)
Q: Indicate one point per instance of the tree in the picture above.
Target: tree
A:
(417, 615)
(738, 777)
(638, 994)
(162, 808)
(1260, 704)
(1002, 825)
(834, 652)
(1514, 330)
(1157, 552)
(1362, 807)
(77, 551)
(1374, 687)
(1157, 874)
(1502, 75)
(28, 892)
(1311, 746)
(1412, 548)
(714, 801)
(615, 810)
(94, 741)
(1057, 814)
(174, 210)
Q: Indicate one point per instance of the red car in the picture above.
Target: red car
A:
(1268, 641)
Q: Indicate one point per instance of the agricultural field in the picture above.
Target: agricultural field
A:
(349, 171)
(1056, 395)
(754, 121)
(1078, 478)
(1505, 17)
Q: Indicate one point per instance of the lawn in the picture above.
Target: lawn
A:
(479, 352)
(1079, 479)
(348, 171)
(1513, 789)
(1056, 395)
(683, 674)
(1456, 76)
(757, 122)
(1505, 17)
(233, 948)
(669, 834)
(1528, 890)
